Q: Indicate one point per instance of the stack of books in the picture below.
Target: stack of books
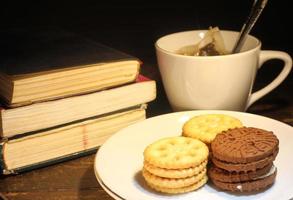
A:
(62, 96)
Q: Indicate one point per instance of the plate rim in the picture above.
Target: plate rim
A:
(104, 186)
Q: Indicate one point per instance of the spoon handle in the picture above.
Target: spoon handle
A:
(256, 10)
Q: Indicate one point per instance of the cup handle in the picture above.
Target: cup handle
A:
(265, 56)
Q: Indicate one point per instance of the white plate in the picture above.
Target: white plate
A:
(119, 161)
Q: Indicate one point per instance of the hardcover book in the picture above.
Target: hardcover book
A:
(63, 143)
(43, 65)
(43, 115)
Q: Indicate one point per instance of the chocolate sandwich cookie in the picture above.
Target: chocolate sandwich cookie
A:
(243, 158)
(222, 175)
(257, 184)
(250, 166)
(244, 145)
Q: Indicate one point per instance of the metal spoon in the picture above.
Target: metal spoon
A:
(255, 12)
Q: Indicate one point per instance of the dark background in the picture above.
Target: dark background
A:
(134, 26)
(131, 26)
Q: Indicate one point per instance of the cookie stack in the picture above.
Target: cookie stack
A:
(175, 165)
(243, 159)
(206, 127)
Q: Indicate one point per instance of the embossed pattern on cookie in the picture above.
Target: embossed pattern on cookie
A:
(243, 145)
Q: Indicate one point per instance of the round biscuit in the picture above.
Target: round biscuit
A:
(175, 173)
(176, 152)
(172, 182)
(206, 127)
(244, 145)
(186, 189)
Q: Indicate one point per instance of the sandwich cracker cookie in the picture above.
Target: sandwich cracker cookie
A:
(218, 174)
(243, 159)
(176, 153)
(253, 185)
(175, 173)
(206, 127)
(172, 182)
(175, 165)
(245, 145)
(186, 189)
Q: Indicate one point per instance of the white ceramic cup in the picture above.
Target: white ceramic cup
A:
(214, 82)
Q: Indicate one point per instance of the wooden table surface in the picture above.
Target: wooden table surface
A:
(75, 179)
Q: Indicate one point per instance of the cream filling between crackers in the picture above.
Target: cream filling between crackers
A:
(272, 171)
